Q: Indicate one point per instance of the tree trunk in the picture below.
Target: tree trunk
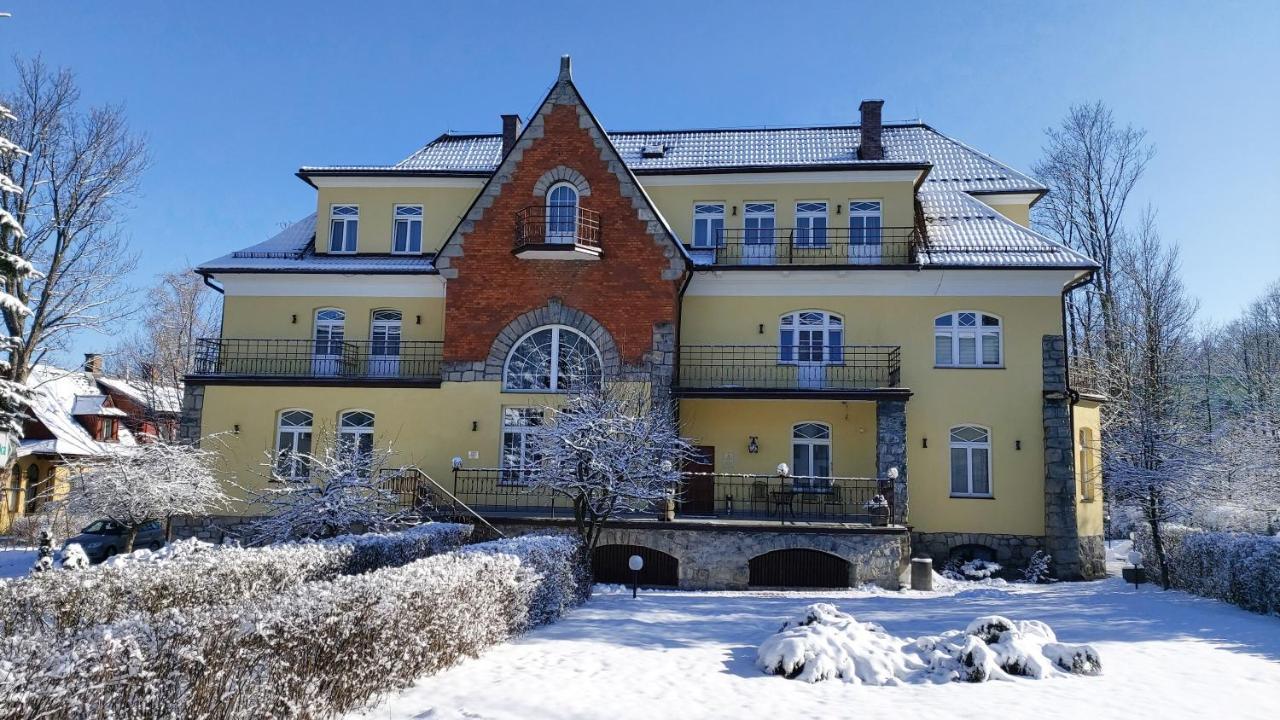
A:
(1157, 544)
(131, 534)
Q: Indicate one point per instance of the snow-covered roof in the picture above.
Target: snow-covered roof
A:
(161, 398)
(293, 250)
(95, 405)
(55, 393)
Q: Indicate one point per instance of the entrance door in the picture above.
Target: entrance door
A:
(699, 496)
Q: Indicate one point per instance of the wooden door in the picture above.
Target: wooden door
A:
(699, 497)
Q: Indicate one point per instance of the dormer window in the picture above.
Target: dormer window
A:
(655, 150)
(107, 430)
(344, 222)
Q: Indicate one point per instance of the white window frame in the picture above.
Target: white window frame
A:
(554, 374)
(969, 447)
(832, 328)
(812, 483)
(978, 332)
(386, 340)
(409, 221)
(517, 474)
(709, 217)
(805, 236)
(356, 434)
(870, 253)
(350, 228)
(560, 236)
(1088, 465)
(298, 469)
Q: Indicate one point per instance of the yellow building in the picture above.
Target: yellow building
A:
(864, 303)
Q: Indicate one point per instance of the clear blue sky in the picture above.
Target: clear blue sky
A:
(234, 96)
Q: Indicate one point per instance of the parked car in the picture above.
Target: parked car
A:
(103, 538)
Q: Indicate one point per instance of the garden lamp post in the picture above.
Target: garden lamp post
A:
(636, 563)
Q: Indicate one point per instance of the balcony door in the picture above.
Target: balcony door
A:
(326, 359)
(384, 344)
(758, 234)
(812, 340)
(865, 247)
(562, 214)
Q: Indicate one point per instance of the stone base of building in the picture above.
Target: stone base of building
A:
(1012, 551)
(717, 556)
(1093, 557)
(210, 528)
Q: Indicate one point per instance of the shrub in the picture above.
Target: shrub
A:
(1240, 568)
(191, 577)
(315, 650)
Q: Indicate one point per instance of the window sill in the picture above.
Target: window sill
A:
(972, 497)
(341, 252)
(968, 367)
(410, 253)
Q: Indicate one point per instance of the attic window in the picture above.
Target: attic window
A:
(653, 151)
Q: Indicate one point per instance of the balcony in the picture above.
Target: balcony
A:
(319, 362)
(771, 371)
(891, 247)
(557, 232)
(501, 492)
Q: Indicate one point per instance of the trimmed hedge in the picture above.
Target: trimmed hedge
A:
(319, 649)
(1240, 568)
(191, 577)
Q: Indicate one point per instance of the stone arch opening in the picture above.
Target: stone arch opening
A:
(971, 551)
(798, 568)
(609, 565)
(555, 313)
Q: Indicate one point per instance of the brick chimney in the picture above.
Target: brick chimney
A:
(510, 131)
(93, 363)
(871, 146)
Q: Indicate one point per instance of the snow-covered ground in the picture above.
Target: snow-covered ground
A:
(692, 655)
(16, 562)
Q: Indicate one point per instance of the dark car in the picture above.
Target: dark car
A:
(104, 538)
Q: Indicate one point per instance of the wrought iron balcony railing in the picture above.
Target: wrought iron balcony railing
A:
(730, 369)
(383, 360)
(815, 246)
(557, 225)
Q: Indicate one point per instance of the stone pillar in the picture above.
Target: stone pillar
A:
(192, 408)
(1061, 534)
(662, 361)
(891, 451)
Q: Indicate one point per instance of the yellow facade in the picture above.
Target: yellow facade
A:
(1087, 420)
(53, 484)
(293, 318)
(442, 208)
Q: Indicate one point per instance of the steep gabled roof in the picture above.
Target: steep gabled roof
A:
(55, 396)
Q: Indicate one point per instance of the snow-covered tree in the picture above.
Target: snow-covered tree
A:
(13, 395)
(136, 485)
(608, 449)
(339, 488)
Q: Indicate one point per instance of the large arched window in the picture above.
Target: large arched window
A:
(329, 333)
(967, 339)
(554, 358)
(811, 340)
(562, 213)
(970, 461)
(293, 443)
(811, 454)
(355, 437)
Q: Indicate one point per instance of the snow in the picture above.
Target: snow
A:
(693, 655)
(54, 394)
(16, 562)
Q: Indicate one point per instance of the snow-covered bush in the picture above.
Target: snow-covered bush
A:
(825, 643)
(144, 582)
(1039, 568)
(72, 557)
(975, 569)
(1240, 568)
(315, 650)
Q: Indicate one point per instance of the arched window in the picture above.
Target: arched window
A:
(384, 343)
(329, 333)
(811, 455)
(355, 436)
(553, 358)
(15, 491)
(809, 336)
(293, 441)
(970, 461)
(562, 213)
(34, 491)
(967, 339)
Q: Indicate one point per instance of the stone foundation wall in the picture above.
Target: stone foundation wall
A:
(716, 558)
(210, 528)
(1013, 551)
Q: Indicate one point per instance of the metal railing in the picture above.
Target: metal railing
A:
(820, 246)
(557, 225)
(417, 360)
(497, 492)
(744, 368)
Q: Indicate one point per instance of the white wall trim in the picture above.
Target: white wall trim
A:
(780, 178)
(334, 286)
(1006, 198)
(860, 283)
(390, 181)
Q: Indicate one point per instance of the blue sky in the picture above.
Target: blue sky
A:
(234, 96)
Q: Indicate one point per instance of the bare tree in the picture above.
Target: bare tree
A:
(1091, 165)
(609, 449)
(79, 169)
(1155, 450)
(14, 396)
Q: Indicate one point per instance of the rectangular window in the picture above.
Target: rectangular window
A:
(758, 223)
(708, 225)
(108, 429)
(408, 229)
(864, 231)
(344, 226)
(517, 425)
(970, 462)
(811, 224)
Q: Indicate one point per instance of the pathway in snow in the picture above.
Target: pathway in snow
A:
(691, 655)
(16, 562)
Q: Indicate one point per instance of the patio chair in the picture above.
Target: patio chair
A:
(833, 498)
(759, 497)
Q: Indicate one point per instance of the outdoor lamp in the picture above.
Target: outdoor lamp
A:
(783, 470)
(753, 446)
(893, 473)
(457, 462)
(1136, 574)
(636, 563)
